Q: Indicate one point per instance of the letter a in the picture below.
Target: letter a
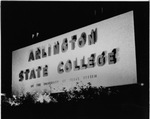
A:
(31, 56)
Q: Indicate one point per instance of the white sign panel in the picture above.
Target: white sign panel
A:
(102, 54)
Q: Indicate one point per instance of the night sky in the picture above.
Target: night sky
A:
(22, 19)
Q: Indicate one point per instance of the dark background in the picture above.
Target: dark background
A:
(22, 19)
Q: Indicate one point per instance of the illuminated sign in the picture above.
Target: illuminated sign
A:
(102, 54)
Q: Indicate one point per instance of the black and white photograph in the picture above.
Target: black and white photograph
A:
(75, 59)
